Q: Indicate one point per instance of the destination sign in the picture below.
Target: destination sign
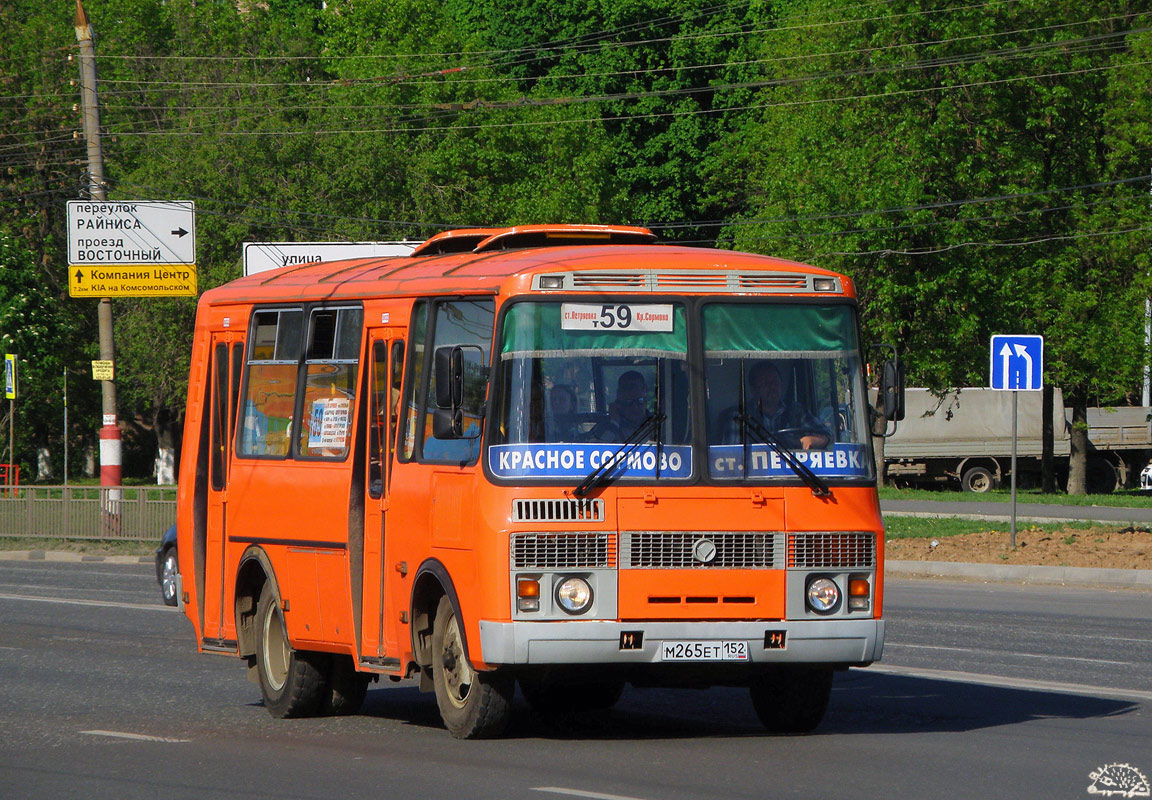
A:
(139, 281)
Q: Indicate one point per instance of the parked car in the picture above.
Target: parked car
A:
(167, 566)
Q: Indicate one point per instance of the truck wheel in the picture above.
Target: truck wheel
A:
(977, 479)
(473, 704)
(292, 682)
(792, 701)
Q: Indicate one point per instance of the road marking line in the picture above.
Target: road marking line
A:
(582, 793)
(104, 603)
(136, 737)
(1010, 683)
(971, 650)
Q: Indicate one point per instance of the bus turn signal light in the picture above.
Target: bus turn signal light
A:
(858, 594)
(528, 594)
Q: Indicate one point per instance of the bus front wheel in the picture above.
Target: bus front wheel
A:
(473, 704)
(292, 682)
(792, 701)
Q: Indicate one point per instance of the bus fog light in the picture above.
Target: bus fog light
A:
(857, 603)
(574, 595)
(823, 595)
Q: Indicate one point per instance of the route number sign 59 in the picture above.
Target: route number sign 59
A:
(621, 317)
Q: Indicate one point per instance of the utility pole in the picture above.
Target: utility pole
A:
(110, 430)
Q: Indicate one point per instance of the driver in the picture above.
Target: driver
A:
(767, 405)
(627, 411)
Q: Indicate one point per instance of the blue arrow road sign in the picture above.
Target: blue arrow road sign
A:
(1018, 363)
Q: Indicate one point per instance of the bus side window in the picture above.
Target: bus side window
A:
(270, 383)
(469, 323)
(330, 370)
(385, 406)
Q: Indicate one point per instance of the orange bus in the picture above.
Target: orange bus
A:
(563, 457)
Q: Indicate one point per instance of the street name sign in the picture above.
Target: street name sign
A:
(1017, 363)
(131, 233)
(264, 256)
(131, 249)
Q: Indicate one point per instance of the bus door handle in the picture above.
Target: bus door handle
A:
(757, 498)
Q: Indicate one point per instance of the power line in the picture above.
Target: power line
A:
(651, 115)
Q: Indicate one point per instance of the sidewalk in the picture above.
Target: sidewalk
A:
(999, 511)
(69, 557)
(1021, 573)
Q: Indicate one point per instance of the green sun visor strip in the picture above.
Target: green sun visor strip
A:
(536, 330)
(758, 330)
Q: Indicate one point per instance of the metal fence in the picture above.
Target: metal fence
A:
(86, 512)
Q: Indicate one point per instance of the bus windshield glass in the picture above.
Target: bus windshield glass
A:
(581, 380)
(789, 375)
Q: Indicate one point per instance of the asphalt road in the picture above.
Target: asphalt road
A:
(984, 692)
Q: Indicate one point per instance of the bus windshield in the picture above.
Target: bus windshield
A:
(606, 387)
(784, 374)
(582, 379)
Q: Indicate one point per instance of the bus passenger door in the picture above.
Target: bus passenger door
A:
(223, 391)
(386, 355)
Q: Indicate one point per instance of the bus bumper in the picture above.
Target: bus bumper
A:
(847, 642)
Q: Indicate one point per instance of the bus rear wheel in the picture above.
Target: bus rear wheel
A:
(292, 682)
(792, 701)
(473, 704)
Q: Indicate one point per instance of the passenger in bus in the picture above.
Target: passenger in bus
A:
(562, 422)
(767, 404)
(627, 411)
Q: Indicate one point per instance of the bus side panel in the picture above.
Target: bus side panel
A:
(300, 509)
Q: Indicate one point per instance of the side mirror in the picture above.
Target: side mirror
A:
(461, 386)
(892, 389)
(449, 376)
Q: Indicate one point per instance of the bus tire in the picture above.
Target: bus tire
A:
(473, 704)
(792, 700)
(346, 687)
(292, 682)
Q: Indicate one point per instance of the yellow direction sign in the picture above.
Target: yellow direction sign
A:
(132, 281)
(103, 371)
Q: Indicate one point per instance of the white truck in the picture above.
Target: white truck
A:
(964, 436)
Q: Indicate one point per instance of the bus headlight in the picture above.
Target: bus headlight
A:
(823, 595)
(574, 595)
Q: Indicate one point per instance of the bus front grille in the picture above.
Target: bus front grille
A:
(702, 550)
(833, 550)
(558, 510)
(563, 550)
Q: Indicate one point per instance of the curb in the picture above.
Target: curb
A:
(1025, 517)
(1013, 573)
(71, 558)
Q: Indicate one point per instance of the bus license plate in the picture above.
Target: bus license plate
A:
(704, 651)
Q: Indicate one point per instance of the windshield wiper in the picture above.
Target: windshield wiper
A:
(601, 473)
(811, 479)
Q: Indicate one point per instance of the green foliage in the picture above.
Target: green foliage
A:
(971, 168)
